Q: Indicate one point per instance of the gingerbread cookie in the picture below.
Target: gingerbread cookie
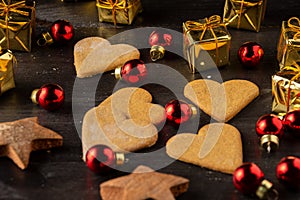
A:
(217, 146)
(221, 101)
(125, 121)
(144, 183)
(94, 55)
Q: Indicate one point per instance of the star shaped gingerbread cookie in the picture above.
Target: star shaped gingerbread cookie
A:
(144, 183)
(19, 138)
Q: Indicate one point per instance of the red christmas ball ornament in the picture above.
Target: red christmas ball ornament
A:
(101, 159)
(249, 179)
(158, 41)
(250, 54)
(179, 111)
(61, 31)
(291, 122)
(132, 71)
(269, 129)
(49, 96)
(288, 172)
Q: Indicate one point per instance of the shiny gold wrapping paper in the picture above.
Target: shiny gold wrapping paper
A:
(280, 88)
(242, 14)
(288, 50)
(17, 24)
(118, 11)
(203, 38)
(6, 72)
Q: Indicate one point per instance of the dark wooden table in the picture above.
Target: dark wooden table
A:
(61, 173)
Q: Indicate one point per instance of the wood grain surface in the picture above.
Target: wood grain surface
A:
(61, 174)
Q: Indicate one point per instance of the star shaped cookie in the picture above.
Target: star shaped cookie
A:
(19, 138)
(144, 183)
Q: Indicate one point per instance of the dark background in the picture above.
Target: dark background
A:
(61, 174)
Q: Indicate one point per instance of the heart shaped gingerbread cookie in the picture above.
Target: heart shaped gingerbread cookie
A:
(221, 101)
(125, 121)
(94, 55)
(217, 146)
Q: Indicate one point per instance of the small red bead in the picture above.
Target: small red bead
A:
(288, 172)
(250, 54)
(160, 38)
(62, 31)
(247, 178)
(292, 122)
(178, 111)
(134, 71)
(50, 96)
(269, 125)
(100, 158)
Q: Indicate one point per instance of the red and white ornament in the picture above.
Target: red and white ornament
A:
(101, 159)
(61, 31)
(269, 129)
(179, 111)
(133, 71)
(159, 40)
(250, 54)
(250, 180)
(288, 172)
(50, 96)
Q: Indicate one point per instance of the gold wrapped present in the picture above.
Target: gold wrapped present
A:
(206, 38)
(286, 90)
(17, 22)
(118, 11)
(6, 72)
(244, 14)
(288, 50)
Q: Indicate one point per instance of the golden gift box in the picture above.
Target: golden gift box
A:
(288, 51)
(6, 72)
(286, 90)
(242, 14)
(118, 11)
(206, 43)
(17, 23)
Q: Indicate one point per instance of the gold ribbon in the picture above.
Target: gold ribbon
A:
(114, 5)
(295, 71)
(240, 11)
(5, 10)
(209, 24)
(295, 27)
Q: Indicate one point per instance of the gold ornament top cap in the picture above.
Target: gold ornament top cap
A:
(194, 110)
(157, 52)
(33, 96)
(269, 142)
(120, 158)
(267, 191)
(46, 39)
(118, 73)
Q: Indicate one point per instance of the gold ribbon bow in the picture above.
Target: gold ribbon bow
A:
(239, 12)
(5, 10)
(114, 5)
(294, 25)
(295, 71)
(209, 24)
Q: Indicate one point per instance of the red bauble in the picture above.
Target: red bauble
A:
(62, 31)
(292, 122)
(100, 158)
(132, 71)
(250, 54)
(179, 111)
(288, 172)
(270, 129)
(247, 178)
(49, 96)
(159, 40)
